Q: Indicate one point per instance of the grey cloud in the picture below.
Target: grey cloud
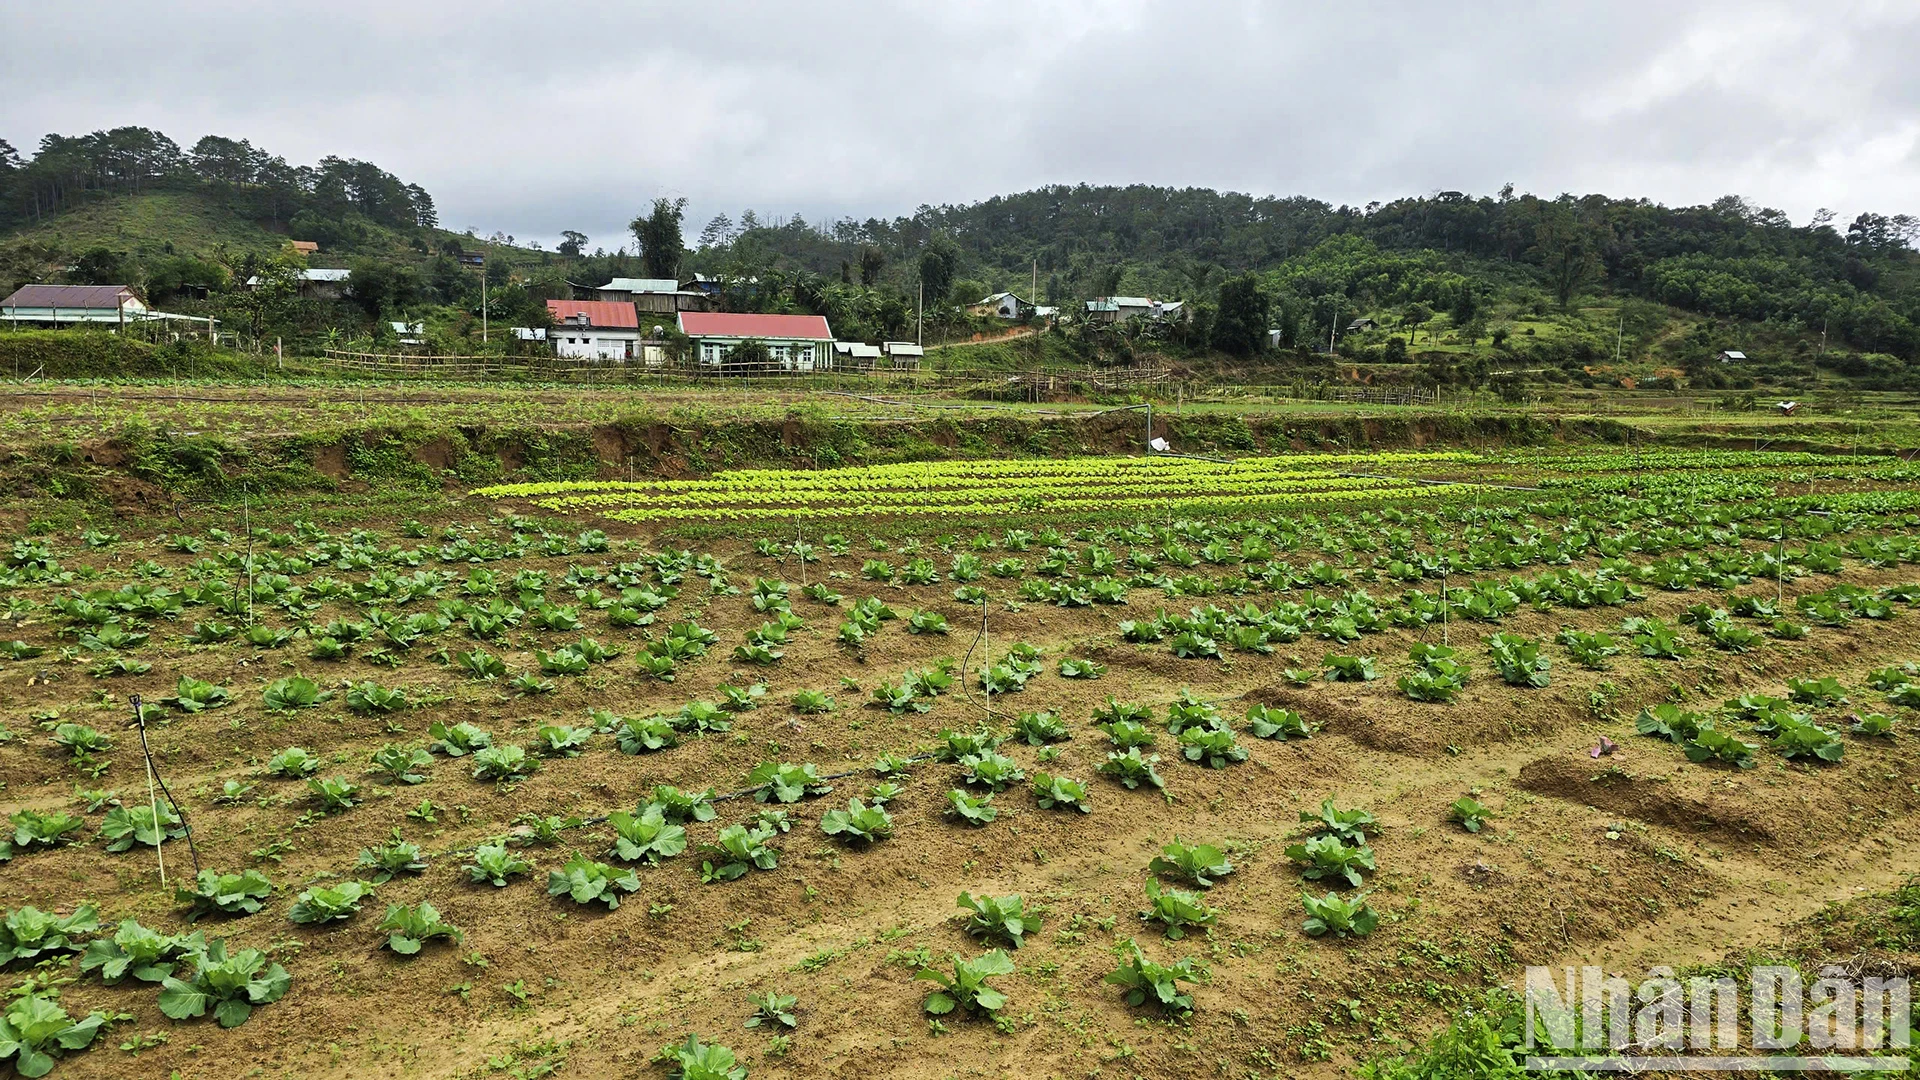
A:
(531, 119)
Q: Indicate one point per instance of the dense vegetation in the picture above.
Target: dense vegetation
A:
(1451, 260)
(1461, 287)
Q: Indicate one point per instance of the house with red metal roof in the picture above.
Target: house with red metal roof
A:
(594, 329)
(794, 342)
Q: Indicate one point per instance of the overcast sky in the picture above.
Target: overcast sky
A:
(533, 118)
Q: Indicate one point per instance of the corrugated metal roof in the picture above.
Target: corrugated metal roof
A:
(903, 348)
(1130, 301)
(69, 296)
(325, 274)
(641, 285)
(729, 325)
(1101, 305)
(602, 313)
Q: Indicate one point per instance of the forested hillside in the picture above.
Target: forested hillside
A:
(1455, 286)
(1449, 252)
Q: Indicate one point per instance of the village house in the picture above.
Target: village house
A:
(56, 305)
(318, 283)
(794, 342)
(594, 329)
(1118, 309)
(662, 296)
(1005, 305)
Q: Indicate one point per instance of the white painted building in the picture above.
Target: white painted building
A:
(794, 342)
(594, 330)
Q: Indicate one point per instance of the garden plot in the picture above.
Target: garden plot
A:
(1256, 791)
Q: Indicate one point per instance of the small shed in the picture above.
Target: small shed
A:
(1733, 356)
(903, 355)
(854, 356)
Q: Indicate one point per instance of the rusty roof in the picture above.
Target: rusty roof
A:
(603, 313)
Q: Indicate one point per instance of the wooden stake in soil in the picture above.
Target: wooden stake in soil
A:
(153, 797)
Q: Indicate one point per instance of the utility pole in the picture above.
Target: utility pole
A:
(920, 318)
(1619, 337)
(1334, 328)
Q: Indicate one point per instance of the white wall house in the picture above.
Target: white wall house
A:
(1005, 305)
(59, 304)
(594, 329)
(794, 342)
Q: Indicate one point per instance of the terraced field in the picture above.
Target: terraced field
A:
(1270, 768)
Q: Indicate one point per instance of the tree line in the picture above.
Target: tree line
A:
(1729, 258)
(318, 201)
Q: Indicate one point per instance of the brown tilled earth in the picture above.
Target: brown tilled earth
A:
(1631, 860)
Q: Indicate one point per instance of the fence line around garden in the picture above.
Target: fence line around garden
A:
(403, 366)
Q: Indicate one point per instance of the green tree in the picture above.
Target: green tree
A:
(718, 233)
(101, 266)
(1566, 249)
(658, 236)
(1416, 316)
(572, 242)
(938, 264)
(872, 261)
(1240, 324)
(270, 286)
(380, 287)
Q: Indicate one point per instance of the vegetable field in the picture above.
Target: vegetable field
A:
(1076, 767)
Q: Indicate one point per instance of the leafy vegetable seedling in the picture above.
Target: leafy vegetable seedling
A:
(1469, 813)
(1146, 982)
(1199, 864)
(1330, 914)
(409, 928)
(1002, 918)
(967, 989)
(495, 863)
